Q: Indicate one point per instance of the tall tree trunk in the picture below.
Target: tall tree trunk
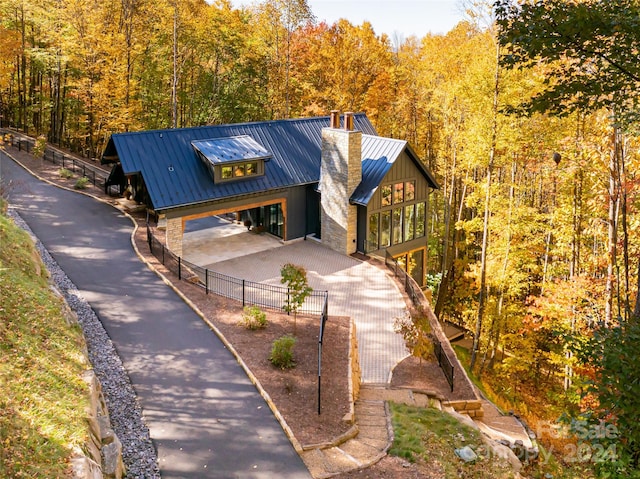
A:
(447, 219)
(636, 310)
(612, 227)
(485, 228)
(174, 83)
(625, 227)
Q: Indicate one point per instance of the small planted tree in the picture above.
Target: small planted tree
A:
(416, 333)
(39, 147)
(295, 277)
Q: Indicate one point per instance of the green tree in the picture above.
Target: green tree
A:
(295, 277)
(584, 47)
(615, 351)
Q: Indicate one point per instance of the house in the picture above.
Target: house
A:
(331, 178)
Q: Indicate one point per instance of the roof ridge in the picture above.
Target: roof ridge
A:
(240, 124)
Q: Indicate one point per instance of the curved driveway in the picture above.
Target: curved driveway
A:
(205, 417)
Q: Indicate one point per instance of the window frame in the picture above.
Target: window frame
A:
(229, 171)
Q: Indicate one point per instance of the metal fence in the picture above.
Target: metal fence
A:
(410, 286)
(417, 297)
(248, 292)
(443, 361)
(96, 175)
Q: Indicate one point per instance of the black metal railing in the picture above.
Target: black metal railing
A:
(410, 286)
(417, 297)
(248, 292)
(444, 362)
(96, 175)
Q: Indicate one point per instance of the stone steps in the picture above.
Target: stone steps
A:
(370, 438)
(373, 436)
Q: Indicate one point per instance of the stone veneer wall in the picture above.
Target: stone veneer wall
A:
(340, 174)
(355, 372)
(174, 234)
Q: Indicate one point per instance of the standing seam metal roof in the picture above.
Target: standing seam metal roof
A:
(378, 156)
(175, 176)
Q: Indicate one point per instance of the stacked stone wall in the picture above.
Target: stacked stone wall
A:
(174, 234)
(341, 173)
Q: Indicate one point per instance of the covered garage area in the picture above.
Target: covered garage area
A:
(214, 239)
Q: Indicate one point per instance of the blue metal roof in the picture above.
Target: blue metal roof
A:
(174, 175)
(378, 156)
(231, 149)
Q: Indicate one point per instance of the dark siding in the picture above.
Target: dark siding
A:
(402, 170)
(313, 211)
(362, 228)
(296, 212)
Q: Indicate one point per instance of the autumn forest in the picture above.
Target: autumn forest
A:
(525, 114)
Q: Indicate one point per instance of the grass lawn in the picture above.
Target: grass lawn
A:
(430, 436)
(43, 398)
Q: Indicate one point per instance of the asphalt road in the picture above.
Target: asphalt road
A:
(205, 417)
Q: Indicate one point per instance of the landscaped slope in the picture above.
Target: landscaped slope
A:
(43, 398)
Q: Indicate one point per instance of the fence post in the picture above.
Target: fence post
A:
(319, 374)
(243, 304)
(179, 267)
(206, 280)
(288, 302)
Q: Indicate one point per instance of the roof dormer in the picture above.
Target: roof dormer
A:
(232, 158)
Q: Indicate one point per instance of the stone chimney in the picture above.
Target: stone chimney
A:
(340, 175)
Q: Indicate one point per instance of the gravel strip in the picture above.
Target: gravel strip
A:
(138, 453)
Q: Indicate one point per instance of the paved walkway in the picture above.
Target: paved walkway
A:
(356, 289)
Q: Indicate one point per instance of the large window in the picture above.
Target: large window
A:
(409, 222)
(373, 232)
(410, 191)
(397, 225)
(398, 193)
(385, 229)
(421, 211)
(385, 192)
(401, 219)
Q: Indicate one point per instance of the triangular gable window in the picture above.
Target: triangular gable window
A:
(232, 158)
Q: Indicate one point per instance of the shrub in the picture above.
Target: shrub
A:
(82, 183)
(39, 147)
(64, 173)
(282, 352)
(253, 318)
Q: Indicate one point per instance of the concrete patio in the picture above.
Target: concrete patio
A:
(356, 289)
